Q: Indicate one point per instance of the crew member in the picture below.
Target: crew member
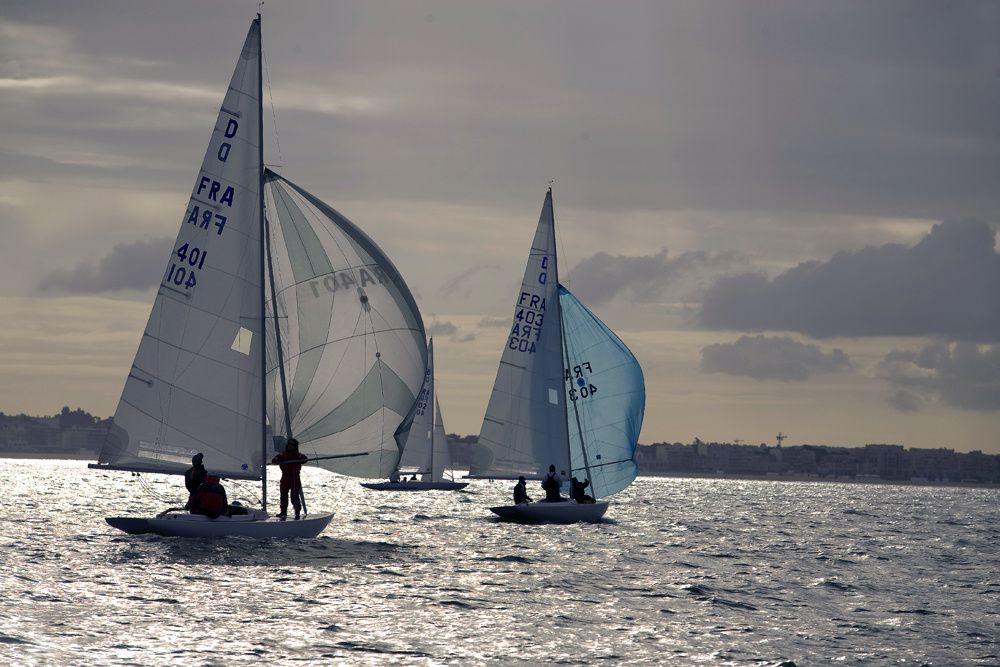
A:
(291, 462)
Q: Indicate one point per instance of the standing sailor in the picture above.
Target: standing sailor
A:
(290, 462)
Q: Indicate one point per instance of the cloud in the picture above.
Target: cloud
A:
(648, 278)
(493, 322)
(442, 329)
(962, 375)
(446, 328)
(945, 285)
(905, 401)
(771, 358)
(461, 283)
(128, 266)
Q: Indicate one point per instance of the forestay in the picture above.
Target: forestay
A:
(195, 383)
(352, 338)
(606, 400)
(524, 430)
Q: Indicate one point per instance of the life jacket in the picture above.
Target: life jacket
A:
(210, 499)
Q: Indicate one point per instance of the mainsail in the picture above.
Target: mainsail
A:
(352, 339)
(441, 460)
(195, 384)
(418, 445)
(606, 399)
(425, 448)
(524, 430)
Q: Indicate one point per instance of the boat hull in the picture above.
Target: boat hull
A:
(415, 486)
(257, 525)
(542, 512)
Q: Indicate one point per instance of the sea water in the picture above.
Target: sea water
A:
(682, 571)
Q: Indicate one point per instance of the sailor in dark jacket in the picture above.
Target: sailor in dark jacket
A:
(521, 492)
(577, 490)
(194, 477)
(552, 484)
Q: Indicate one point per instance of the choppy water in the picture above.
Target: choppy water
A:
(684, 571)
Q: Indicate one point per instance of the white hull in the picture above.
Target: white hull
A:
(443, 485)
(255, 524)
(542, 512)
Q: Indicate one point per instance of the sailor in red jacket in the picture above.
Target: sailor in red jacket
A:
(290, 462)
(210, 499)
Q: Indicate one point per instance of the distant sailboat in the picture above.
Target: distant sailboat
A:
(261, 263)
(568, 393)
(425, 448)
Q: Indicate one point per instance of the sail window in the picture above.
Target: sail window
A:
(553, 396)
(242, 341)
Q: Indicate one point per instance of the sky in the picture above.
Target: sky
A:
(788, 210)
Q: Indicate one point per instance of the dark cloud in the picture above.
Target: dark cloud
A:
(958, 374)
(905, 401)
(448, 329)
(945, 285)
(461, 284)
(493, 323)
(767, 358)
(878, 108)
(136, 265)
(442, 329)
(601, 277)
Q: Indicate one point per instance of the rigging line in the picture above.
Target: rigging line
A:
(148, 488)
(274, 113)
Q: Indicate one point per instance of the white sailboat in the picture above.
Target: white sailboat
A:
(425, 448)
(568, 393)
(276, 316)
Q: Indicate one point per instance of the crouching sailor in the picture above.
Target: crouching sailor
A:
(210, 499)
(521, 492)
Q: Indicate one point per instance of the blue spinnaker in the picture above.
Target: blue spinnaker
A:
(606, 398)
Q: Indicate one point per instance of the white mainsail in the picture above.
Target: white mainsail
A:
(418, 447)
(425, 450)
(441, 460)
(352, 339)
(195, 384)
(525, 430)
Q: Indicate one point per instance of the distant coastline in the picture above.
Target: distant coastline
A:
(827, 480)
(90, 457)
(78, 435)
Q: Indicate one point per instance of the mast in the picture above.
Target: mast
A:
(277, 331)
(263, 231)
(430, 398)
(564, 353)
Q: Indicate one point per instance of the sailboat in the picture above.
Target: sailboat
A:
(276, 317)
(568, 393)
(425, 448)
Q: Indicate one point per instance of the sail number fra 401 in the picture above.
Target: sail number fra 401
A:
(185, 276)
